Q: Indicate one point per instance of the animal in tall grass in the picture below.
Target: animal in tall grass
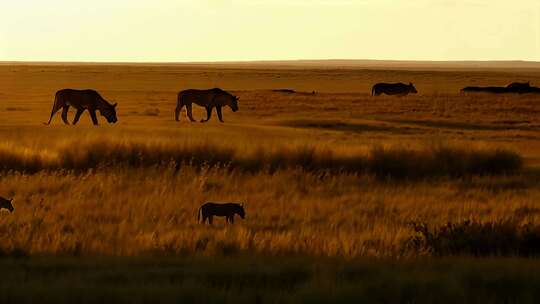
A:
(399, 89)
(208, 99)
(82, 100)
(6, 204)
(208, 210)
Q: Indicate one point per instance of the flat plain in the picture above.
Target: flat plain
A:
(334, 182)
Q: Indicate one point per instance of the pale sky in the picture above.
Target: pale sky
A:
(222, 30)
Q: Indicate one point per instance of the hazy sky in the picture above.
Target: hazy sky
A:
(217, 30)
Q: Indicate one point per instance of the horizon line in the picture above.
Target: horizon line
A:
(279, 60)
(368, 64)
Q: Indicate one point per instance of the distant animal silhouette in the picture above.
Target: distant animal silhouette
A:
(284, 91)
(471, 89)
(522, 88)
(208, 210)
(518, 86)
(533, 90)
(514, 87)
(6, 204)
(209, 99)
(399, 89)
(494, 90)
(82, 100)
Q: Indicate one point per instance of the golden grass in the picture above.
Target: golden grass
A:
(131, 212)
(385, 162)
(333, 184)
(338, 173)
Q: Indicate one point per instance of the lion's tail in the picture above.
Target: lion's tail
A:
(54, 109)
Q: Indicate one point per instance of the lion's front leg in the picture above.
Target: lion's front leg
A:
(93, 116)
(77, 116)
(218, 111)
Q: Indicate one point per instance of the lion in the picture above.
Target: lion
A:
(209, 99)
(228, 210)
(6, 204)
(82, 100)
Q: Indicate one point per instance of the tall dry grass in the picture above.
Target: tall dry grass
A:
(146, 211)
(384, 162)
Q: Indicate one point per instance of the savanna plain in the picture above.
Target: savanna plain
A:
(428, 198)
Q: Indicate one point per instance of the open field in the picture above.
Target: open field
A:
(337, 179)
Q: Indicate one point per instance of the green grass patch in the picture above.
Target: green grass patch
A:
(268, 280)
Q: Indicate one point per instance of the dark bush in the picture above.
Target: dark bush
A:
(441, 161)
(500, 238)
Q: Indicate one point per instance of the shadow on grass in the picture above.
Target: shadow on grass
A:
(336, 125)
(459, 125)
(257, 279)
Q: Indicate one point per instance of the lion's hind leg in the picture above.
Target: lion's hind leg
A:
(177, 111)
(179, 106)
(190, 112)
(65, 110)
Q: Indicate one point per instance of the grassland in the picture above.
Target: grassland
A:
(331, 181)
